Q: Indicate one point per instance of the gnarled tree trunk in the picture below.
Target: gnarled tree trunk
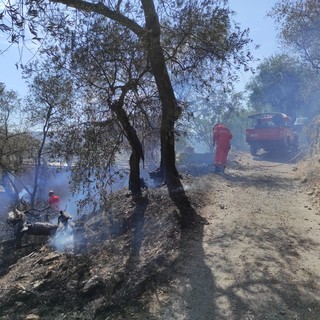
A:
(136, 147)
(170, 110)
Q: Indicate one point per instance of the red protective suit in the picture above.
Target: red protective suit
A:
(221, 138)
(55, 202)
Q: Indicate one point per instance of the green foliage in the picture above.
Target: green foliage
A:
(16, 144)
(284, 84)
(299, 26)
(9, 108)
(277, 86)
(224, 107)
(128, 58)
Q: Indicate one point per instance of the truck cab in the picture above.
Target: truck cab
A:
(272, 131)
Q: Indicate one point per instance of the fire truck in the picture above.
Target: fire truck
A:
(272, 131)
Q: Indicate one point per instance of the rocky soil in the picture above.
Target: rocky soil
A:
(252, 252)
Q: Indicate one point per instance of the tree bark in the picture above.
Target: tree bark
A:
(170, 110)
(136, 147)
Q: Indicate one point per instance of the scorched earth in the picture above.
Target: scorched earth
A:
(252, 253)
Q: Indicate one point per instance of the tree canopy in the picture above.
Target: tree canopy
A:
(16, 142)
(299, 27)
(175, 42)
(277, 86)
(284, 84)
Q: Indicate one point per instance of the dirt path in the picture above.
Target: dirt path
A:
(257, 258)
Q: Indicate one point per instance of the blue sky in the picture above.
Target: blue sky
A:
(249, 13)
(9, 74)
(252, 14)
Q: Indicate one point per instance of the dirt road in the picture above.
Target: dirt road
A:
(257, 257)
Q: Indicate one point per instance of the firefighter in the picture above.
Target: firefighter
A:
(221, 139)
(54, 201)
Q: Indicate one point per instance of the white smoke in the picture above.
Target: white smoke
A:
(63, 240)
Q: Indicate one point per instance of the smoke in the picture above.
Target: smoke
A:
(63, 240)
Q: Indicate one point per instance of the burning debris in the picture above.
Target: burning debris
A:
(21, 225)
(63, 233)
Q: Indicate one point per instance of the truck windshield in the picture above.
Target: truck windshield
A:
(266, 121)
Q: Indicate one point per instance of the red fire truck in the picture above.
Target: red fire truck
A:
(272, 131)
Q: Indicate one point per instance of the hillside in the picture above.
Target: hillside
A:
(251, 252)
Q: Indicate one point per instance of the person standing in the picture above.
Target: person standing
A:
(221, 139)
(54, 201)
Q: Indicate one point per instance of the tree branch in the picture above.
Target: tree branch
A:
(100, 8)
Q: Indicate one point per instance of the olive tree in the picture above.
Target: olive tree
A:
(16, 142)
(176, 37)
(284, 84)
(299, 28)
(277, 86)
(47, 106)
(112, 79)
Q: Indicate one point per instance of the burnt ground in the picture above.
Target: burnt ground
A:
(252, 252)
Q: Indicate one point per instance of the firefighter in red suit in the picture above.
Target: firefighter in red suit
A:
(221, 139)
(54, 201)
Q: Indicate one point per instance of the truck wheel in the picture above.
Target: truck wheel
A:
(253, 150)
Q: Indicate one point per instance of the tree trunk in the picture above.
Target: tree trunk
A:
(41, 229)
(134, 176)
(136, 147)
(170, 110)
